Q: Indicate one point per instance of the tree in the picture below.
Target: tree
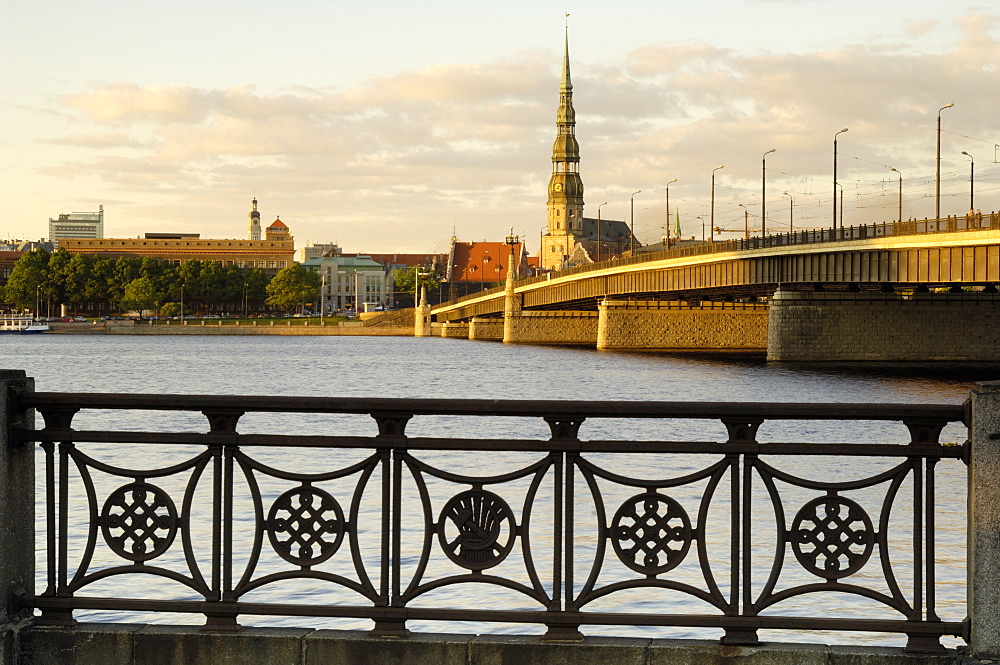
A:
(413, 277)
(140, 295)
(293, 286)
(23, 288)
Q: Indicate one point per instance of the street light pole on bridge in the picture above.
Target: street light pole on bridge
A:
(711, 215)
(763, 192)
(666, 228)
(892, 168)
(835, 177)
(937, 177)
(972, 181)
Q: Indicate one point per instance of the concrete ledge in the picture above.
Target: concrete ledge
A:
(126, 644)
(345, 647)
(86, 644)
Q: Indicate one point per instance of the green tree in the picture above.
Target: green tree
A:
(293, 286)
(23, 289)
(413, 277)
(140, 295)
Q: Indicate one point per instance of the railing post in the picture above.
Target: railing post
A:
(984, 522)
(17, 508)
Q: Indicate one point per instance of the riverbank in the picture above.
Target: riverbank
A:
(204, 328)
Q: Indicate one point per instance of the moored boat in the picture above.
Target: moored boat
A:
(19, 324)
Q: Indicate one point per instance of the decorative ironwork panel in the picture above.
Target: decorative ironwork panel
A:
(139, 521)
(651, 533)
(305, 526)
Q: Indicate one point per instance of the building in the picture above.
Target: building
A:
(77, 225)
(7, 260)
(318, 250)
(355, 282)
(474, 266)
(274, 252)
(572, 239)
(253, 228)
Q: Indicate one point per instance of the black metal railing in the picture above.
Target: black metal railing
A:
(389, 519)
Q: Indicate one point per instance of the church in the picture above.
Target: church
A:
(571, 238)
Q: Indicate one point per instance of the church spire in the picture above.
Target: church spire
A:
(565, 202)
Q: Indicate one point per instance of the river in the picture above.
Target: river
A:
(432, 367)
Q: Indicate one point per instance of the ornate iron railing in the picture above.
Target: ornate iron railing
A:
(554, 531)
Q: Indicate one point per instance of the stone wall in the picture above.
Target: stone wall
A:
(807, 326)
(571, 328)
(453, 330)
(120, 644)
(401, 318)
(485, 329)
(667, 326)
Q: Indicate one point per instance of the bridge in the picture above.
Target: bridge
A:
(775, 285)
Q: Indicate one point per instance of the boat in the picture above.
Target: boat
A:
(19, 324)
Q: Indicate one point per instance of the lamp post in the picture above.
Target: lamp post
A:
(599, 229)
(841, 207)
(763, 192)
(711, 215)
(182, 302)
(246, 300)
(631, 222)
(937, 177)
(791, 203)
(746, 222)
(666, 227)
(835, 177)
(38, 301)
(972, 181)
(702, 227)
(892, 168)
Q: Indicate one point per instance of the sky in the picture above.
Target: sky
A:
(384, 126)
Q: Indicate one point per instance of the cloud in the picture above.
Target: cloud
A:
(471, 142)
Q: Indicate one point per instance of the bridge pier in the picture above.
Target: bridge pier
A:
(845, 326)
(673, 325)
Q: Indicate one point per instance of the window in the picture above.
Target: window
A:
(281, 264)
(242, 263)
(250, 264)
(270, 264)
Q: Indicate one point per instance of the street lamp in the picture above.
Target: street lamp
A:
(746, 222)
(892, 168)
(182, 302)
(246, 300)
(763, 192)
(972, 181)
(666, 228)
(835, 178)
(937, 178)
(38, 301)
(631, 223)
(791, 203)
(702, 227)
(711, 216)
(599, 229)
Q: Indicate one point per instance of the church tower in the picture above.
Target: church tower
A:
(565, 202)
(253, 231)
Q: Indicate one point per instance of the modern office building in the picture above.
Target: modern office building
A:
(77, 225)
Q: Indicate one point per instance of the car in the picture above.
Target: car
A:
(80, 319)
(211, 316)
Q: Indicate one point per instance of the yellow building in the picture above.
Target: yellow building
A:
(274, 252)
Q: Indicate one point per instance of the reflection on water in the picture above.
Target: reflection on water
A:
(429, 367)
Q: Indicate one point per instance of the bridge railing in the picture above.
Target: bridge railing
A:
(377, 526)
(804, 237)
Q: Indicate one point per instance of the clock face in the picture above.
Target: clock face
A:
(558, 187)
